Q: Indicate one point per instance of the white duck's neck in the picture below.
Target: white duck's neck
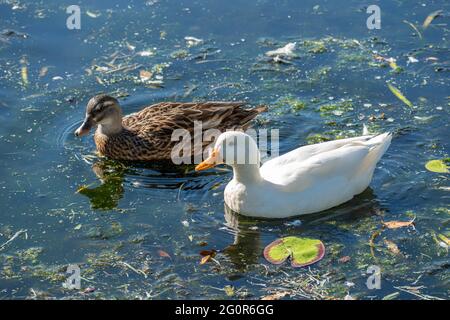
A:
(247, 173)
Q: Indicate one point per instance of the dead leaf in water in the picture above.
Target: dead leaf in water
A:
(207, 255)
(430, 18)
(164, 254)
(392, 247)
(398, 224)
(145, 75)
(344, 259)
(275, 296)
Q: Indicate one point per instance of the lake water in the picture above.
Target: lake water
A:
(137, 230)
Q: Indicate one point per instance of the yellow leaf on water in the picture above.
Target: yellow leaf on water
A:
(430, 18)
(444, 238)
(205, 259)
(24, 73)
(229, 290)
(399, 95)
(438, 166)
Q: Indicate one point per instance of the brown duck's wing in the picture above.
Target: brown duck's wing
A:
(153, 126)
(220, 115)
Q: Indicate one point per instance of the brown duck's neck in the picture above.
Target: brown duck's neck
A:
(111, 126)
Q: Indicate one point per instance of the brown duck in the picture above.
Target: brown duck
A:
(146, 135)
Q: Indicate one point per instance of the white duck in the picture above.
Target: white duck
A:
(309, 179)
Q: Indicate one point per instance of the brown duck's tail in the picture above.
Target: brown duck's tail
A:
(252, 113)
(261, 108)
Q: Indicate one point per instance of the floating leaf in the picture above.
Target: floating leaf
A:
(164, 254)
(438, 166)
(445, 239)
(430, 18)
(398, 224)
(344, 259)
(391, 296)
(145, 75)
(205, 259)
(229, 290)
(392, 247)
(302, 251)
(207, 255)
(275, 296)
(399, 95)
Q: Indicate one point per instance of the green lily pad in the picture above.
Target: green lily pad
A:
(302, 251)
(438, 166)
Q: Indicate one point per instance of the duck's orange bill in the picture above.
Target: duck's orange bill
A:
(210, 162)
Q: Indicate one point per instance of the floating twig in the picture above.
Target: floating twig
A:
(18, 233)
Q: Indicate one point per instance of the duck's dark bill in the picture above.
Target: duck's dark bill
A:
(85, 127)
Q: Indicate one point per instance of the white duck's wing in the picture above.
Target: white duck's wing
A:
(306, 152)
(344, 162)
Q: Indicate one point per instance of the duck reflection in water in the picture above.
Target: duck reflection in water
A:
(248, 245)
(106, 196)
(113, 175)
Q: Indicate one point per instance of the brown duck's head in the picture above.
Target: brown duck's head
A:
(101, 110)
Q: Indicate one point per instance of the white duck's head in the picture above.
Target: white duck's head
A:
(233, 148)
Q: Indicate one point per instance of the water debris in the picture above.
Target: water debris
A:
(93, 14)
(391, 296)
(192, 41)
(412, 60)
(372, 241)
(430, 18)
(444, 239)
(207, 255)
(344, 259)
(137, 271)
(276, 295)
(399, 95)
(392, 247)
(285, 52)
(18, 233)
(398, 224)
(146, 53)
(414, 28)
(145, 75)
(164, 254)
(43, 72)
(89, 290)
(438, 166)
(24, 70)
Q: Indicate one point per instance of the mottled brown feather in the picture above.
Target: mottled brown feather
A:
(146, 135)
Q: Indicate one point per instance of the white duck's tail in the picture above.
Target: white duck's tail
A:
(378, 146)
